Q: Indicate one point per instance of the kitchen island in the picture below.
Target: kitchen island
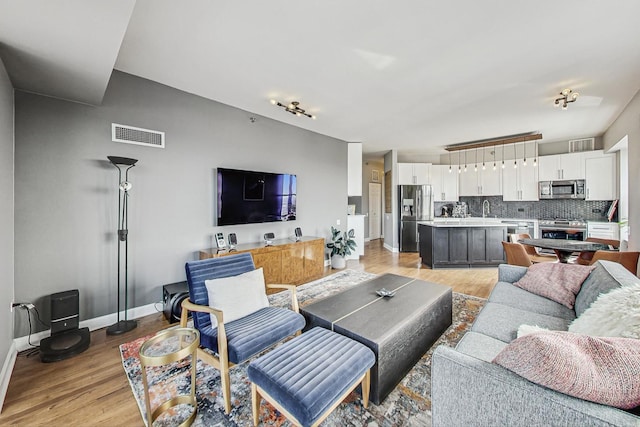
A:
(462, 243)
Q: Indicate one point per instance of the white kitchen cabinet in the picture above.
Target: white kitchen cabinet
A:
(356, 222)
(354, 169)
(520, 183)
(603, 230)
(444, 183)
(413, 173)
(600, 176)
(481, 183)
(562, 166)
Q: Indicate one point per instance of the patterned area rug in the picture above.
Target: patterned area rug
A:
(408, 405)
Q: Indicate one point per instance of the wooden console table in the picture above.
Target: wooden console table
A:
(285, 261)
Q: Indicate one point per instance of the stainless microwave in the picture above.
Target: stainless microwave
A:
(569, 189)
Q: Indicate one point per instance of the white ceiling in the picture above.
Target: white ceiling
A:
(414, 75)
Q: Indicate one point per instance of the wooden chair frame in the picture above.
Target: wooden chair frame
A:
(221, 362)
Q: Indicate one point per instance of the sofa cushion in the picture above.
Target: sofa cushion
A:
(601, 370)
(251, 334)
(480, 346)
(606, 275)
(558, 282)
(614, 314)
(513, 296)
(502, 322)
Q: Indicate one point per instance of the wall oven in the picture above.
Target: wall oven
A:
(570, 189)
(564, 229)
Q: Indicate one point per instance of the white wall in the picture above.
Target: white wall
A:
(627, 124)
(66, 190)
(6, 228)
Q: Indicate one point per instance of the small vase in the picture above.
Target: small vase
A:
(338, 262)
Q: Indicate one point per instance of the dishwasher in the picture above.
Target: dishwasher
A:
(515, 226)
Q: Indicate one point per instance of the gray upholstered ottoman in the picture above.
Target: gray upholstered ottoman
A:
(307, 378)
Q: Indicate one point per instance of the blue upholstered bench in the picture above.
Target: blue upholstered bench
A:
(308, 377)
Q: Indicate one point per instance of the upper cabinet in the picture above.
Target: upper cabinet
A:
(413, 173)
(596, 168)
(562, 166)
(600, 176)
(520, 183)
(481, 183)
(354, 169)
(444, 183)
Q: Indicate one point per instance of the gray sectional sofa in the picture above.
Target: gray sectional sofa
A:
(468, 390)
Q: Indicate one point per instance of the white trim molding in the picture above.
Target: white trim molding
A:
(5, 374)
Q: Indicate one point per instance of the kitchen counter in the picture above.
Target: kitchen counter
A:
(464, 222)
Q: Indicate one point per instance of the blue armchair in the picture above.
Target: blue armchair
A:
(241, 339)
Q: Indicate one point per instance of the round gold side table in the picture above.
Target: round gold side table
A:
(163, 348)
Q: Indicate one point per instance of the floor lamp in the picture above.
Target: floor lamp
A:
(122, 326)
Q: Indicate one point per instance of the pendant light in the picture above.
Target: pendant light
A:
(515, 156)
(449, 161)
(494, 158)
(475, 168)
(465, 160)
(524, 161)
(502, 153)
(459, 170)
(483, 166)
(535, 153)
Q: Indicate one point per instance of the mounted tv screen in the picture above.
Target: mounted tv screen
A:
(247, 197)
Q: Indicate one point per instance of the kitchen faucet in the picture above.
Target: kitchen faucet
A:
(485, 202)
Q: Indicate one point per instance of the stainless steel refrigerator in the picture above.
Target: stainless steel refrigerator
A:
(415, 204)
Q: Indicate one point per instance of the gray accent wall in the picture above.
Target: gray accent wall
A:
(627, 125)
(6, 214)
(66, 190)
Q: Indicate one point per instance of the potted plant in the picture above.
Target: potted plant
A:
(341, 245)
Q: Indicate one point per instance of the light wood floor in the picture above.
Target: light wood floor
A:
(91, 389)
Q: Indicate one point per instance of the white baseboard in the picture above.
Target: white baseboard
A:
(389, 248)
(5, 374)
(22, 343)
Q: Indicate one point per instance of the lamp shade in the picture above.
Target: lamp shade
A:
(122, 160)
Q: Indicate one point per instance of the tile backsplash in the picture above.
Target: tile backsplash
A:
(573, 209)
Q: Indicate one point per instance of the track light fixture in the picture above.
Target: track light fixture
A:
(294, 108)
(566, 96)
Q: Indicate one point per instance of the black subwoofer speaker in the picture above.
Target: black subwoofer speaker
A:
(66, 338)
(172, 297)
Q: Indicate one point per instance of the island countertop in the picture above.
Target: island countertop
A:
(464, 222)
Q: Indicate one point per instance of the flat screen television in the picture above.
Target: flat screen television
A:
(247, 197)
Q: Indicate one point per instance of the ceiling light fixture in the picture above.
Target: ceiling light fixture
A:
(465, 160)
(535, 159)
(293, 108)
(475, 168)
(566, 96)
(483, 166)
(449, 161)
(524, 161)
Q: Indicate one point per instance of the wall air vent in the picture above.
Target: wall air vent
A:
(138, 136)
(585, 144)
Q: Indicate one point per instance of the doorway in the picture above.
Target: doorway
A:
(375, 210)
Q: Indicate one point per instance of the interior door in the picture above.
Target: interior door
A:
(375, 210)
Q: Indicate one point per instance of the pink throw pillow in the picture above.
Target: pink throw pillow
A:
(558, 282)
(601, 370)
